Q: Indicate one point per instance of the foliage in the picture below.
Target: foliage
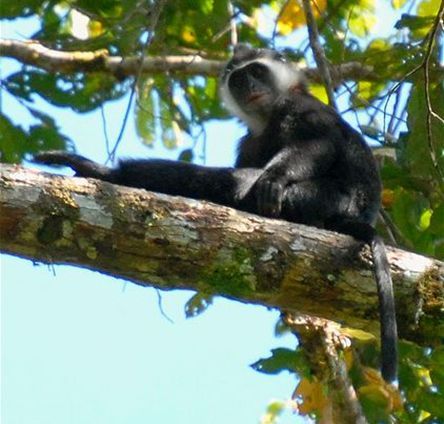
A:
(399, 108)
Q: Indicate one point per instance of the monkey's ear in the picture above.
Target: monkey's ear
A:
(244, 52)
(241, 49)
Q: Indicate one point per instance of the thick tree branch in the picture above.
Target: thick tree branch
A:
(35, 54)
(176, 243)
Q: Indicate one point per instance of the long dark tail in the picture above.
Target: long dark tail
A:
(387, 313)
(226, 186)
(81, 165)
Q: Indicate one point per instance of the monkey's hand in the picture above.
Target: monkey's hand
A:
(270, 192)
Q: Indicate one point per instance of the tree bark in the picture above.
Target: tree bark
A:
(176, 243)
(35, 54)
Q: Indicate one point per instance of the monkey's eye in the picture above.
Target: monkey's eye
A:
(257, 70)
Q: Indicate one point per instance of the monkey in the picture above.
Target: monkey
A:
(299, 161)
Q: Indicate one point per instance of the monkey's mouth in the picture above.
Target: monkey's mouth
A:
(255, 98)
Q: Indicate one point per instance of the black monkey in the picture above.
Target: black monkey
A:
(299, 161)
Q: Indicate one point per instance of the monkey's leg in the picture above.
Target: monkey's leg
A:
(313, 202)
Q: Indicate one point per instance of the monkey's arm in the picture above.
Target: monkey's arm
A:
(304, 160)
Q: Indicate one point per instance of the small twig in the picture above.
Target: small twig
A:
(159, 304)
(276, 22)
(105, 130)
(390, 227)
(156, 10)
(401, 120)
(234, 39)
(318, 51)
(395, 108)
(229, 26)
(369, 105)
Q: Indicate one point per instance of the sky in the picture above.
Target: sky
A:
(81, 347)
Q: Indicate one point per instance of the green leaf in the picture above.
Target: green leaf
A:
(81, 92)
(18, 8)
(198, 304)
(186, 155)
(437, 223)
(416, 153)
(273, 412)
(432, 403)
(362, 18)
(282, 359)
(418, 25)
(13, 141)
(145, 112)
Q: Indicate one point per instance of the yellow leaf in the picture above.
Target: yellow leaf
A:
(312, 396)
(379, 391)
(376, 394)
(188, 34)
(379, 44)
(292, 16)
(424, 376)
(366, 5)
(428, 8)
(365, 89)
(423, 415)
(362, 18)
(397, 4)
(387, 198)
(95, 28)
(362, 24)
(348, 357)
(372, 376)
(274, 409)
(424, 221)
(177, 133)
(361, 335)
(319, 92)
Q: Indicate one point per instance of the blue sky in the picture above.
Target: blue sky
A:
(80, 347)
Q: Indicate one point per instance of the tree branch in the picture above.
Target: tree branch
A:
(325, 342)
(318, 52)
(35, 54)
(176, 243)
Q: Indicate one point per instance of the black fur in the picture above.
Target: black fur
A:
(300, 161)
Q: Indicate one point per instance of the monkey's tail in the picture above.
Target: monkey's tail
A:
(387, 313)
(82, 166)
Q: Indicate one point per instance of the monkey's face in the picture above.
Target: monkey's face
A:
(252, 82)
(253, 88)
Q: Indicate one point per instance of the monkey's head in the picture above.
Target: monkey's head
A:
(252, 81)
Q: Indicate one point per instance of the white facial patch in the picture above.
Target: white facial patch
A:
(285, 76)
(255, 125)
